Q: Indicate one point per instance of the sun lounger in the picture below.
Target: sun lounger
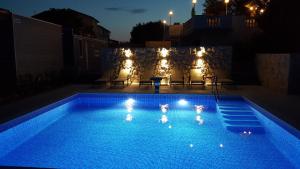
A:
(196, 77)
(123, 78)
(177, 78)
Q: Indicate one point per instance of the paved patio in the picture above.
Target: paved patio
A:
(282, 106)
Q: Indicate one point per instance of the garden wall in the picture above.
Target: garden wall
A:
(279, 72)
(217, 59)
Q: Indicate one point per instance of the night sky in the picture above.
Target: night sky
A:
(119, 16)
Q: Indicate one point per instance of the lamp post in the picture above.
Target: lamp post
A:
(226, 4)
(164, 23)
(171, 14)
(194, 7)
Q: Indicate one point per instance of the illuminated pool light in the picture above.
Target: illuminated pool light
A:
(129, 102)
(182, 102)
(191, 145)
(245, 133)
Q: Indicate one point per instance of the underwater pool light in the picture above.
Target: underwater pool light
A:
(245, 133)
(182, 102)
(129, 102)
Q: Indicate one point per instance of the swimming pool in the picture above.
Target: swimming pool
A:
(149, 131)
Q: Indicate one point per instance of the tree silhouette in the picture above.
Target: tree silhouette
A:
(214, 7)
(235, 7)
(151, 31)
(69, 19)
(281, 26)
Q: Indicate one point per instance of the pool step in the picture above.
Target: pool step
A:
(239, 117)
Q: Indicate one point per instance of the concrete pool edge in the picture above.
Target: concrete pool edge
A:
(292, 130)
(37, 112)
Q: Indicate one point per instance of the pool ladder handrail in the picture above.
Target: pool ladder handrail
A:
(214, 88)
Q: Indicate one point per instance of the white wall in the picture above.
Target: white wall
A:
(38, 46)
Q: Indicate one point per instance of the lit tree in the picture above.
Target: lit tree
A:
(236, 7)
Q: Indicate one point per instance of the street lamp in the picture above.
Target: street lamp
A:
(194, 6)
(171, 14)
(261, 11)
(164, 23)
(226, 4)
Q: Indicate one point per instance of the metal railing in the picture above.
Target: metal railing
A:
(214, 88)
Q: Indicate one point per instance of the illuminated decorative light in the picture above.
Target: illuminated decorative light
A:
(128, 63)
(164, 119)
(262, 11)
(164, 63)
(128, 53)
(251, 8)
(182, 102)
(194, 1)
(221, 145)
(129, 117)
(164, 21)
(164, 108)
(200, 63)
(201, 52)
(226, 1)
(199, 108)
(164, 52)
(191, 145)
(171, 13)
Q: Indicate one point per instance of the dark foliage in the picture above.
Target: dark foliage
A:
(151, 31)
(235, 7)
(214, 7)
(281, 26)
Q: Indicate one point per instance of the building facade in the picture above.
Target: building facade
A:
(34, 49)
(218, 30)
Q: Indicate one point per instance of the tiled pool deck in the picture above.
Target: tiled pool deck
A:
(285, 107)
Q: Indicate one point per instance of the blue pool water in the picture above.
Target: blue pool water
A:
(132, 131)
